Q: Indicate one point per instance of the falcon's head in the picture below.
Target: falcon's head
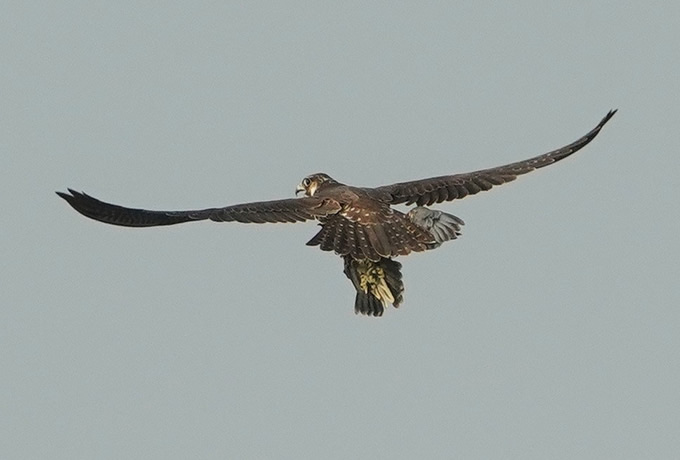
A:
(311, 184)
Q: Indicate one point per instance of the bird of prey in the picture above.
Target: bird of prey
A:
(357, 223)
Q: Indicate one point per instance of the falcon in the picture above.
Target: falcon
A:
(359, 224)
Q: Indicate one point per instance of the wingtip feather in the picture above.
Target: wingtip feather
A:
(608, 117)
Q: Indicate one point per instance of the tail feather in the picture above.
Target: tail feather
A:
(368, 304)
(393, 278)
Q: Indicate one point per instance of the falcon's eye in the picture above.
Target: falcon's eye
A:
(306, 182)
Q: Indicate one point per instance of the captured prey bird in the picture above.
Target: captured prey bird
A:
(357, 223)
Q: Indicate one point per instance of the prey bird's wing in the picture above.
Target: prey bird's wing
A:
(425, 192)
(288, 210)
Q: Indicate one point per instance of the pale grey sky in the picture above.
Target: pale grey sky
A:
(548, 330)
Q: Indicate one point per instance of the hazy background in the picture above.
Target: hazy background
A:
(549, 330)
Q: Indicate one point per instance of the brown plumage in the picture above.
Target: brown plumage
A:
(357, 223)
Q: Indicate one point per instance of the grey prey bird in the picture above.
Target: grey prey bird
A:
(357, 223)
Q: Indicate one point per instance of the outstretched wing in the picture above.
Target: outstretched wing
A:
(446, 188)
(290, 210)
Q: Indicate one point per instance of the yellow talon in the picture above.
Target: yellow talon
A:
(372, 278)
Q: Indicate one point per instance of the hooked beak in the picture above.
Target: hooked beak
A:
(299, 189)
